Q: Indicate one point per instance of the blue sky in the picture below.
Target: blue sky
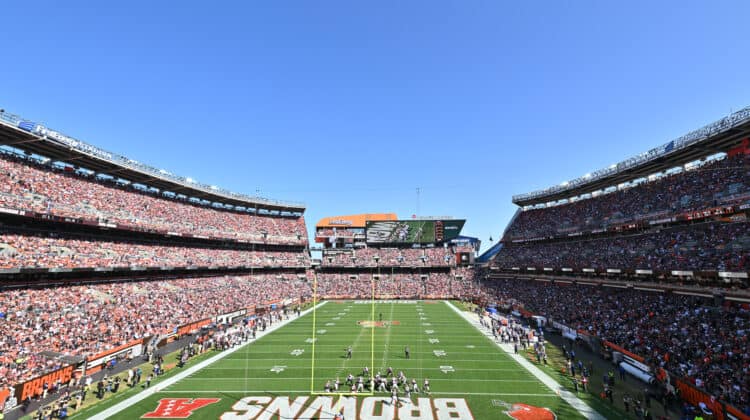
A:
(350, 106)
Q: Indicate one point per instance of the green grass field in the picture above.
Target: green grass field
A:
(463, 367)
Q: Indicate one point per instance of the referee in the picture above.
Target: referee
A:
(406, 351)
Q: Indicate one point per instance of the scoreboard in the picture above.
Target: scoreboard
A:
(413, 231)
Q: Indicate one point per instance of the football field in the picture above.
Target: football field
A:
(283, 374)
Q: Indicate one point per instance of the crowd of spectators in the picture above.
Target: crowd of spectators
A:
(710, 185)
(89, 319)
(413, 285)
(26, 184)
(466, 273)
(389, 257)
(686, 335)
(49, 251)
(710, 246)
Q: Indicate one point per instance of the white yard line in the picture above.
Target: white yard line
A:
(500, 362)
(266, 378)
(387, 341)
(288, 368)
(135, 399)
(337, 352)
(550, 383)
(344, 364)
(395, 335)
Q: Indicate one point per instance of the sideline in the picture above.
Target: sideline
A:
(123, 405)
(550, 383)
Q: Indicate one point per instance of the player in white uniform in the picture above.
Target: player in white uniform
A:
(414, 386)
(407, 391)
(327, 387)
(336, 384)
(394, 384)
(426, 387)
(360, 385)
(381, 385)
(394, 396)
(350, 379)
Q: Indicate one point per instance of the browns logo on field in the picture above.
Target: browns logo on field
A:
(520, 411)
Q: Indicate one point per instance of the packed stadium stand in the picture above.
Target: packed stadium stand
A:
(433, 285)
(682, 335)
(52, 250)
(65, 191)
(648, 258)
(678, 210)
(101, 255)
(417, 258)
(86, 320)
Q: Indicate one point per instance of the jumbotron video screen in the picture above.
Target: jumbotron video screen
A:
(413, 231)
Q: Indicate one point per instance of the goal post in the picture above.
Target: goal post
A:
(316, 390)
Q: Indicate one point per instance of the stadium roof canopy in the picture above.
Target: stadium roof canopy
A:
(716, 137)
(34, 138)
(487, 255)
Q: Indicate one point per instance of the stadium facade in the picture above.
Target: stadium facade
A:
(154, 256)
(660, 242)
(678, 211)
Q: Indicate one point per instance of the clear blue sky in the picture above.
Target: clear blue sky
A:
(349, 106)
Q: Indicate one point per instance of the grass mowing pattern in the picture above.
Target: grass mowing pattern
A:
(280, 364)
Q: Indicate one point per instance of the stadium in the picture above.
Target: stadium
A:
(131, 275)
(354, 211)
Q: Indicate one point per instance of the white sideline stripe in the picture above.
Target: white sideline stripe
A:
(307, 391)
(135, 399)
(550, 383)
